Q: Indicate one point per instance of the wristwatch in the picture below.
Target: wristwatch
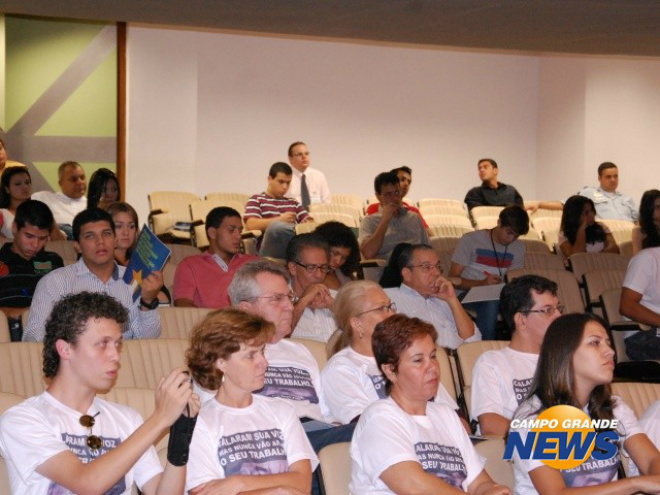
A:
(152, 305)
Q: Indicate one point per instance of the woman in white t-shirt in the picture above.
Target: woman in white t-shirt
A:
(243, 442)
(575, 368)
(408, 443)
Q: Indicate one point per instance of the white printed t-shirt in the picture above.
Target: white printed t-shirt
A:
(351, 382)
(386, 435)
(643, 277)
(42, 427)
(589, 473)
(293, 375)
(264, 438)
(501, 380)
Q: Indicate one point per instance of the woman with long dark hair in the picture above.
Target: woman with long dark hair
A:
(580, 233)
(15, 188)
(575, 368)
(648, 233)
(103, 189)
(344, 253)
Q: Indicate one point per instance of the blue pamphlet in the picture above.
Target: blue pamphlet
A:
(150, 255)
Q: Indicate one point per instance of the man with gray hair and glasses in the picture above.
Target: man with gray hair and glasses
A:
(307, 258)
(262, 288)
(426, 294)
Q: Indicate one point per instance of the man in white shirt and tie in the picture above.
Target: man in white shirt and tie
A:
(308, 185)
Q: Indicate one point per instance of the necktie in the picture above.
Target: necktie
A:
(304, 192)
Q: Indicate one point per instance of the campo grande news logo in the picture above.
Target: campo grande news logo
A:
(563, 437)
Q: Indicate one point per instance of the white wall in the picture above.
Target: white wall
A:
(211, 111)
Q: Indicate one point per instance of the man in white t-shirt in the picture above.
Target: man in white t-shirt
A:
(501, 379)
(316, 188)
(640, 301)
(427, 295)
(49, 441)
(67, 204)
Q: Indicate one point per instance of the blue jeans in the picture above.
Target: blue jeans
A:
(276, 238)
(486, 320)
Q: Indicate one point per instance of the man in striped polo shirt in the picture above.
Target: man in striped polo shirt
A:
(273, 214)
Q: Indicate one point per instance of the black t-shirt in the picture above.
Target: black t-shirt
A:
(19, 277)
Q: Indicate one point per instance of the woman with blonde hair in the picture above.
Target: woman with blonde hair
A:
(351, 379)
(243, 442)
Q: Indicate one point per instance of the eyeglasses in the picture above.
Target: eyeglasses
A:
(390, 308)
(427, 267)
(93, 442)
(313, 268)
(548, 310)
(278, 298)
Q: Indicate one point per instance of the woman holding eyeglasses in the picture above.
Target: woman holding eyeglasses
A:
(244, 443)
(351, 379)
(575, 368)
(409, 443)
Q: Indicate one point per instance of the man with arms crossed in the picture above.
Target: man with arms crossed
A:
(67, 440)
(202, 281)
(502, 378)
(96, 271)
(317, 190)
(67, 204)
(274, 214)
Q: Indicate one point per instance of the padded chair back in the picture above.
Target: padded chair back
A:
(305, 228)
(582, 263)
(617, 224)
(485, 211)
(7, 400)
(449, 230)
(143, 400)
(174, 206)
(145, 361)
(466, 355)
(536, 246)
(545, 260)
(21, 368)
(335, 462)
(200, 209)
(434, 219)
(639, 396)
(625, 248)
(169, 270)
(65, 249)
(444, 244)
(348, 199)
(569, 291)
(241, 198)
(316, 348)
(176, 323)
(334, 208)
(597, 282)
(543, 213)
(326, 216)
(181, 251)
(484, 221)
(500, 471)
(442, 206)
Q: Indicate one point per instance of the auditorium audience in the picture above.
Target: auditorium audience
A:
(647, 234)
(408, 440)
(344, 253)
(575, 368)
(103, 189)
(580, 233)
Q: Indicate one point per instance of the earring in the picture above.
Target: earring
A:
(361, 334)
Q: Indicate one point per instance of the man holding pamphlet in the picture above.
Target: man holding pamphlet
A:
(97, 271)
